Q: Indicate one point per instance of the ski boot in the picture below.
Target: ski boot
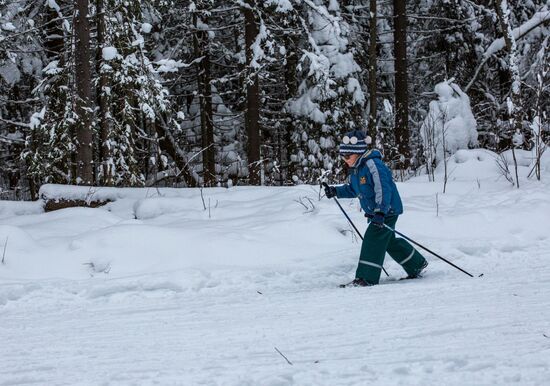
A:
(418, 272)
(357, 282)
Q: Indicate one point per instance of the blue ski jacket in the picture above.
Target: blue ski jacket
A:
(372, 182)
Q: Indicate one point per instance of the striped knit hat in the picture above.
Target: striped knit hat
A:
(354, 142)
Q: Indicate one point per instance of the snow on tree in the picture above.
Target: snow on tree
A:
(137, 100)
(311, 64)
(51, 144)
(449, 125)
(505, 54)
(21, 62)
(330, 97)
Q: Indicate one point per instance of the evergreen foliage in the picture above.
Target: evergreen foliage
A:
(182, 95)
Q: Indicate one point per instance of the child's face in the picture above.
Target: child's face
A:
(350, 159)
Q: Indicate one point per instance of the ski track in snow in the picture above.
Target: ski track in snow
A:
(468, 330)
(211, 323)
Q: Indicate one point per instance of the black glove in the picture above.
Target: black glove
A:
(330, 191)
(378, 219)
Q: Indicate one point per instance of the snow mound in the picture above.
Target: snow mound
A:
(14, 240)
(85, 193)
(154, 207)
(20, 208)
(470, 165)
(481, 155)
(481, 164)
(93, 193)
(524, 158)
(15, 292)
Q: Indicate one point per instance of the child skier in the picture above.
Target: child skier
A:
(371, 181)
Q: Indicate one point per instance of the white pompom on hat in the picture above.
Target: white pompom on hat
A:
(355, 142)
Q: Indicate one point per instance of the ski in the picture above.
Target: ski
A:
(410, 278)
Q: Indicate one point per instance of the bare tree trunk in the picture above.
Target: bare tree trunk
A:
(291, 89)
(504, 21)
(401, 84)
(200, 39)
(516, 118)
(444, 144)
(104, 111)
(537, 124)
(84, 154)
(372, 71)
(252, 114)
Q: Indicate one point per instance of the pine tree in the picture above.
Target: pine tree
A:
(202, 52)
(203, 92)
(51, 143)
(402, 133)
(134, 96)
(83, 97)
(20, 67)
(330, 97)
(252, 113)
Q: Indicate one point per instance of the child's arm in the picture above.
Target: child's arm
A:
(345, 191)
(382, 185)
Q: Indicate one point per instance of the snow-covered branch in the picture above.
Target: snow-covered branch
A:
(540, 18)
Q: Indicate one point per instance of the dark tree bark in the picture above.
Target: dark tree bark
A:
(291, 88)
(252, 114)
(401, 84)
(372, 70)
(104, 122)
(84, 155)
(200, 40)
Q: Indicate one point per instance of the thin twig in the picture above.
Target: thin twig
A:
(202, 198)
(289, 362)
(305, 205)
(4, 254)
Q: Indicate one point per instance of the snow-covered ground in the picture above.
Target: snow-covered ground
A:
(154, 289)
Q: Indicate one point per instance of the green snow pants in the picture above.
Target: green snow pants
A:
(376, 242)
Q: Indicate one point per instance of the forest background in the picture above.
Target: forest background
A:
(248, 92)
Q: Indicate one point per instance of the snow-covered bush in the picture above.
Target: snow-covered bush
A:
(466, 165)
(449, 125)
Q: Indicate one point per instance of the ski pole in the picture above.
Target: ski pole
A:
(351, 222)
(423, 247)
